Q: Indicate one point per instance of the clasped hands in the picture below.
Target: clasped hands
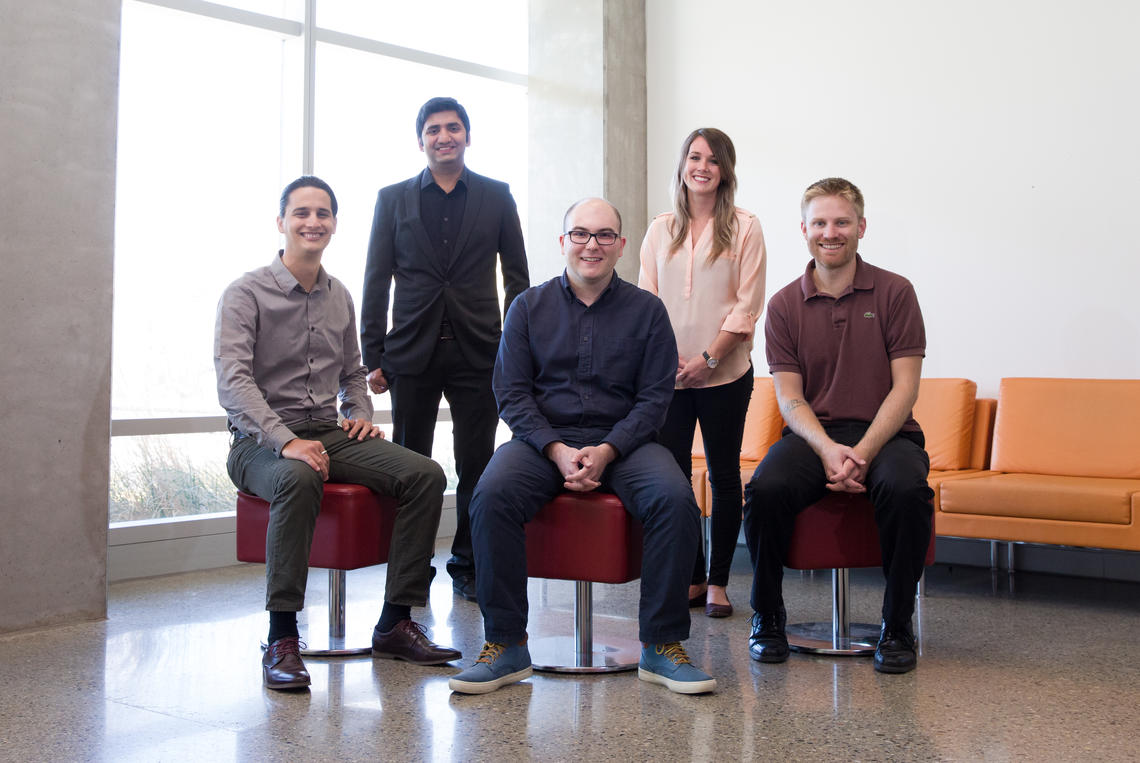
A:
(581, 468)
(313, 452)
(846, 470)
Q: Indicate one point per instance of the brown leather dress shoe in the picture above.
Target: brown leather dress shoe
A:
(281, 665)
(408, 641)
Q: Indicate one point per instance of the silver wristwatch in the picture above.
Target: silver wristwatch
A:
(710, 361)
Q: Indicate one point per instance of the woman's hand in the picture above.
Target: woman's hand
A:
(694, 373)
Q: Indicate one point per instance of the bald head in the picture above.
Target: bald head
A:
(568, 218)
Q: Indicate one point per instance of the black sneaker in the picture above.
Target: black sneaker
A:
(768, 642)
(895, 652)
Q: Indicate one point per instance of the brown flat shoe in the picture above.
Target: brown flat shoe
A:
(718, 610)
(281, 665)
(408, 641)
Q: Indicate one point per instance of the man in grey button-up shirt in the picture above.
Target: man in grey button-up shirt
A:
(286, 352)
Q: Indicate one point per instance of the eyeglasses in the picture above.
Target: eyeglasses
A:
(604, 238)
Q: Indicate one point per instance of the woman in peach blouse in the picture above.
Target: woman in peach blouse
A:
(705, 260)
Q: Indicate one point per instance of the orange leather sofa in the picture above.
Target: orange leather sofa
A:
(1065, 468)
(958, 429)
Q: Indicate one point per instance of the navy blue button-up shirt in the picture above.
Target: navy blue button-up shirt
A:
(582, 374)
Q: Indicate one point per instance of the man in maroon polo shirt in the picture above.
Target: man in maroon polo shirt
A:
(845, 344)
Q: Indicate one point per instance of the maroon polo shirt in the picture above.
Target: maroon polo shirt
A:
(843, 346)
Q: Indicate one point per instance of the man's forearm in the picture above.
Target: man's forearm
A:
(889, 419)
(802, 420)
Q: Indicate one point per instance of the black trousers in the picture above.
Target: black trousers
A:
(720, 411)
(474, 418)
(791, 478)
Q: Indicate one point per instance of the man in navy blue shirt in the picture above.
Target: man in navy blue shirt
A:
(584, 375)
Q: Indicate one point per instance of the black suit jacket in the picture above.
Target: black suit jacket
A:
(401, 251)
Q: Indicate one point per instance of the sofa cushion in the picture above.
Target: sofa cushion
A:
(1039, 496)
(763, 423)
(1078, 427)
(945, 411)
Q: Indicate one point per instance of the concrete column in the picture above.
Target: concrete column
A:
(587, 121)
(58, 109)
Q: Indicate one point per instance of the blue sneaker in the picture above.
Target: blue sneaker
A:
(668, 665)
(498, 665)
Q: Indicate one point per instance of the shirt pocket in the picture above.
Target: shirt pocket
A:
(620, 359)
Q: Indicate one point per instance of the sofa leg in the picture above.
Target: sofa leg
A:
(993, 554)
(1009, 557)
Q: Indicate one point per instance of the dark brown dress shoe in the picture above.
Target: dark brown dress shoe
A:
(281, 665)
(408, 641)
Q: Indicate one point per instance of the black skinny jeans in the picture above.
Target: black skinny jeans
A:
(720, 411)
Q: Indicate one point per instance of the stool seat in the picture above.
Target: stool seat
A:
(588, 538)
(838, 532)
(353, 530)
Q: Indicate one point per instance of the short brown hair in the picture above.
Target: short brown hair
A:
(844, 189)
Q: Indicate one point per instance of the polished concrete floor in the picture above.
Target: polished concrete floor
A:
(1048, 670)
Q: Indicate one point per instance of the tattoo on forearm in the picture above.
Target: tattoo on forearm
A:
(792, 404)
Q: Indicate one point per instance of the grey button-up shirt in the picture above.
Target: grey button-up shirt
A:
(283, 357)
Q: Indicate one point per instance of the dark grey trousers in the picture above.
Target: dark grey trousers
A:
(293, 490)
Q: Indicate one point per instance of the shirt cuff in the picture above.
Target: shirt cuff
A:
(739, 323)
(278, 438)
(540, 438)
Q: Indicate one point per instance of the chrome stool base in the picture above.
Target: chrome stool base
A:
(817, 638)
(558, 654)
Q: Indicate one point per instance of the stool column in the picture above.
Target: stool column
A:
(336, 603)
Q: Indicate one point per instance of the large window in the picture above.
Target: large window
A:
(223, 103)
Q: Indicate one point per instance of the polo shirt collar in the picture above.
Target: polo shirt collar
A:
(864, 279)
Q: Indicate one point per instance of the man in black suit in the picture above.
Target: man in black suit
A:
(437, 234)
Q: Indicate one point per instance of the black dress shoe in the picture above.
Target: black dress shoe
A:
(769, 642)
(699, 600)
(281, 665)
(464, 586)
(408, 641)
(895, 652)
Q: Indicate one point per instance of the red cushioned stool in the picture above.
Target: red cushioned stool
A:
(588, 538)
(354, 530)
(838, 532)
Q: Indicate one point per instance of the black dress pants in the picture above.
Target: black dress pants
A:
(791, 478)
(474, 418)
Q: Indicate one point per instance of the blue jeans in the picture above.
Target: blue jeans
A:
(791, 478)
(519, 480)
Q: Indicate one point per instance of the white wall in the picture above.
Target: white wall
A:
(997, 145)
